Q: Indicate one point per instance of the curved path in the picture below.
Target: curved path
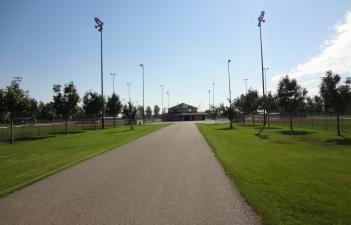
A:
(168, 177)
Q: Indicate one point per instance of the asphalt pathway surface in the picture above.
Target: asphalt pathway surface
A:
(168, 177)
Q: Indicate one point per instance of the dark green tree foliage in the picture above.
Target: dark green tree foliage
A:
(148, 112)
(92, 104)
(252, 103)
(289, 97)
(336, 96)
(46, 111)
(271, 106)
(65, 102)
(114, 107)
(156, 110)
(16, 101)
(314, 106)
(2, 105)
(213, 112)
(129, 111)
(140, 110)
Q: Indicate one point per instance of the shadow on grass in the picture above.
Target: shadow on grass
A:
(226, 128)
(269, 128)
(296, 133)
(70, 132)
(341, 141)
(262, 136)
(32, 138)
(119, 132)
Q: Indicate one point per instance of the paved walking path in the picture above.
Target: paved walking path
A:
(167, 177)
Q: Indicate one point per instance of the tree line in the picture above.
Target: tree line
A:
(291, 100)
(17, 105)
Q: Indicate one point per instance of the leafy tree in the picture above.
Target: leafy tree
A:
(92, 104)
(213, 112)
(289, 97)
(336, 97)
(156, 110)
(314, 105)
(240, 104)
(140, 110)
(252, 103)
(16, 101)
(46, 111)
(129, 111)
(2, 105)
(114, 107)
(148, 112)
(65, 101)
(271, 106)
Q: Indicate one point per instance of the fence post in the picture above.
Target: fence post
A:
(12, 133)
(342, 125)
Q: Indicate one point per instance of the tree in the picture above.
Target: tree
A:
(148, 112)
(336, 97)
(46, 111)
(252, 103)
(213, 112)
(140, 110)
(271, 106)
(92, 104)
(114, 107)
(156, 110)
(65, 102)
(289, 97)
(2, 105)
(129, 111)
(16, 101)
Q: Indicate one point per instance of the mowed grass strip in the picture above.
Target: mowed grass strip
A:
(29, 160)
(303, 178)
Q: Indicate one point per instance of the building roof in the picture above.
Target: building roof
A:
(183, 106)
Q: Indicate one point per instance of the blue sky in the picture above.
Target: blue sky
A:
(183, 44)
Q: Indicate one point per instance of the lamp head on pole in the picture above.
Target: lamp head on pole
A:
(141, 65)
(99, 24)
(261, 18)
(229, 61)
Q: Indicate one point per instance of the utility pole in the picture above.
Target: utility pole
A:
(167, 101)
(142, 67)
(230, 98)
(162, 98)
(113, 81)
(246, 84)
(260, 21)
(213, 86)
(129, 83)
(99, 26)
(209, 99)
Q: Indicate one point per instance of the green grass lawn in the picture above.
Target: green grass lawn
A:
(29, 160)
(303, 178)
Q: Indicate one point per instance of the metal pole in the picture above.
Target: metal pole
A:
(167, 101)
(263, 86)
(230, 96)
(142, 67)
(128, 83)
(246, 84)
(113, 81)
(213, 85)
(209, 99)
(102, 87)
(162, 98)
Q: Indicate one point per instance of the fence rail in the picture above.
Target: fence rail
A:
(320, 123)
(37, 130)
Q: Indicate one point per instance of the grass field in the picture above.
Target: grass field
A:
(29, 160)
(303, 178)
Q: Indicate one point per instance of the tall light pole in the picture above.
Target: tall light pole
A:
(142, 68)
(167, 100)
(213, 85)
(113, 81)
(230, 98)
(260, 21)
(129, 83)
(18, 79)
(265, 78)
(209, 99)
(246, 84)
(99, 26)
(162, 97)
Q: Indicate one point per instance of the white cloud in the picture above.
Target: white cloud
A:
(335, 55)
